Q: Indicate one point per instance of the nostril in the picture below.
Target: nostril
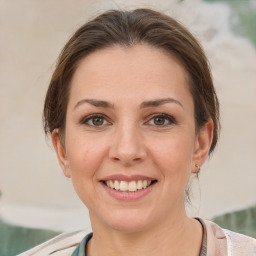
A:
(117, 159)
(127, 153)
(126, 157)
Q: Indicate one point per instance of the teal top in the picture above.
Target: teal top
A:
(81, 248)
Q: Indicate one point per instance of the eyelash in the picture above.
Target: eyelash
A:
(171, 120)
(91, 117)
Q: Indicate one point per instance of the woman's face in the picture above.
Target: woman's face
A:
(130, 140)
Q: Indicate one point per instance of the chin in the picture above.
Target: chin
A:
(127, 221)
(130, 221)
(129, 226)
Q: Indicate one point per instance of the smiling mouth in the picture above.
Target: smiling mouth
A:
(128, 186)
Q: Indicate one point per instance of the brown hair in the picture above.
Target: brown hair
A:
(127, 28)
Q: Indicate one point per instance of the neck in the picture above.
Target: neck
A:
(176, 236)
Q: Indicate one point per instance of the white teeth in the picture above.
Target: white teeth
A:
(125, 186)
(117, 185)
(132, 186)
(139, 184)
(112, 184)
(144, 183)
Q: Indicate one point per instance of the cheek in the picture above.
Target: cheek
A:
(85, 159)
(84, 156)
(174, 156)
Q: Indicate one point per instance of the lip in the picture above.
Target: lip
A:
(128, 196)
(120, 177)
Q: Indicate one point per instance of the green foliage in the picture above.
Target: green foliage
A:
(243, 221)
(14, 239)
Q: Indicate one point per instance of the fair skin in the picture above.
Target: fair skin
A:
(130, 119)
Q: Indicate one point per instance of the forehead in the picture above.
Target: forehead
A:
(140, 70)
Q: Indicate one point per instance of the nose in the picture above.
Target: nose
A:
(127, 146)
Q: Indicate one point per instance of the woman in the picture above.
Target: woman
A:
(132, 114)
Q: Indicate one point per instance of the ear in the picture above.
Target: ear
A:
(202, 145)
(61, 152)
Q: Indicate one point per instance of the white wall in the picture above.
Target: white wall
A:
(32, 33)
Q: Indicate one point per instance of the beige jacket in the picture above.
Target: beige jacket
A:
(220, 242)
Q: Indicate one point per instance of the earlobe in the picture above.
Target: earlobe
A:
(60, 152)
(202, 145)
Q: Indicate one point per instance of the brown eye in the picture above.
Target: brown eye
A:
(161, 120)
(95, 121)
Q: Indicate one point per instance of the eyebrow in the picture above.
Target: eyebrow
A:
(145, 104)
(96, 103)
(159, 102)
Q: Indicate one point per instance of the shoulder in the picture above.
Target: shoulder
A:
(241, 244)
(63, 245)
(229, 241)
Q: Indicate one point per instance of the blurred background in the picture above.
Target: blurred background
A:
(34, 192)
